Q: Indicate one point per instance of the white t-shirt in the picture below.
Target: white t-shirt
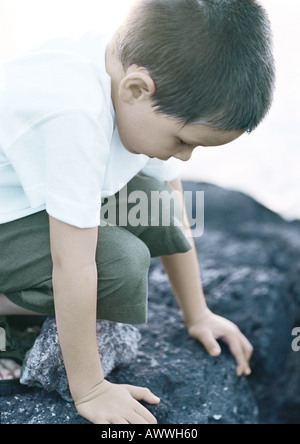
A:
(60, 148)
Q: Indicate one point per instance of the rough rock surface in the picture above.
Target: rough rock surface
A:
(174, 367)
(250, 266)
(117, 343)
(250, 260)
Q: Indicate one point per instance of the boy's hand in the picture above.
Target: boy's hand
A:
(212, 327)
(117, 404)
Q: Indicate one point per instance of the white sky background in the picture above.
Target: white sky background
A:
(265, 164)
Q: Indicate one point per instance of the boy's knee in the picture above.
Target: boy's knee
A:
(165, 241)
(136, 260)
(121, 256)
(123, 265)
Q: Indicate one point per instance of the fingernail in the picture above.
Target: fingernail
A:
(248, 372)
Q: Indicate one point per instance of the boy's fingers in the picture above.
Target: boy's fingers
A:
(136, 418)
(237, 349)
(100, 422)
(119, 421)
(210, 343)
(143, 394)
(248, 350)
(248, 347)
(145, 414)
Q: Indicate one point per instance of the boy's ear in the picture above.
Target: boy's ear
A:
(136, 86)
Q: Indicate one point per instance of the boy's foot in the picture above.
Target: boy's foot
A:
(9, 370)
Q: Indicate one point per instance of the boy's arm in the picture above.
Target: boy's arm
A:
(75, 294)
(184, 274)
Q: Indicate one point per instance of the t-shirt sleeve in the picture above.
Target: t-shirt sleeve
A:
(164, 171)
(56, 126)
(76, 160)
(61, 163)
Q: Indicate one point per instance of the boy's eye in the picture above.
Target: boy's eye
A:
(182, 143)
(185, 145)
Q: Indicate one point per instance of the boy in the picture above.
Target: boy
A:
(78, 119)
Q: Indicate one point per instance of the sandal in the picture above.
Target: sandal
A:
(10, 386)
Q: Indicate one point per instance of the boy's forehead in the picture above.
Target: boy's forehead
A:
(199, 134)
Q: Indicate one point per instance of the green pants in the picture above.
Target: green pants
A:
(123, 259)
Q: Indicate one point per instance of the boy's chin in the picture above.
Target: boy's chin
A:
(130, 150)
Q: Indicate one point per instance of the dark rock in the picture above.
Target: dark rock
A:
(250, 266)
(250, 260)
(174, 367)
(194, 388)
(38, 407)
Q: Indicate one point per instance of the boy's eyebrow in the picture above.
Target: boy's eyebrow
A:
(182, 125)
(193, 143)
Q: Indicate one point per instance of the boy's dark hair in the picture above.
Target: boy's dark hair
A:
(211, 60)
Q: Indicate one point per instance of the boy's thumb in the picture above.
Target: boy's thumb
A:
(143, 394)
(210, 344)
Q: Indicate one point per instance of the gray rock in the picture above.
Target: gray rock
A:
(118, 345)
